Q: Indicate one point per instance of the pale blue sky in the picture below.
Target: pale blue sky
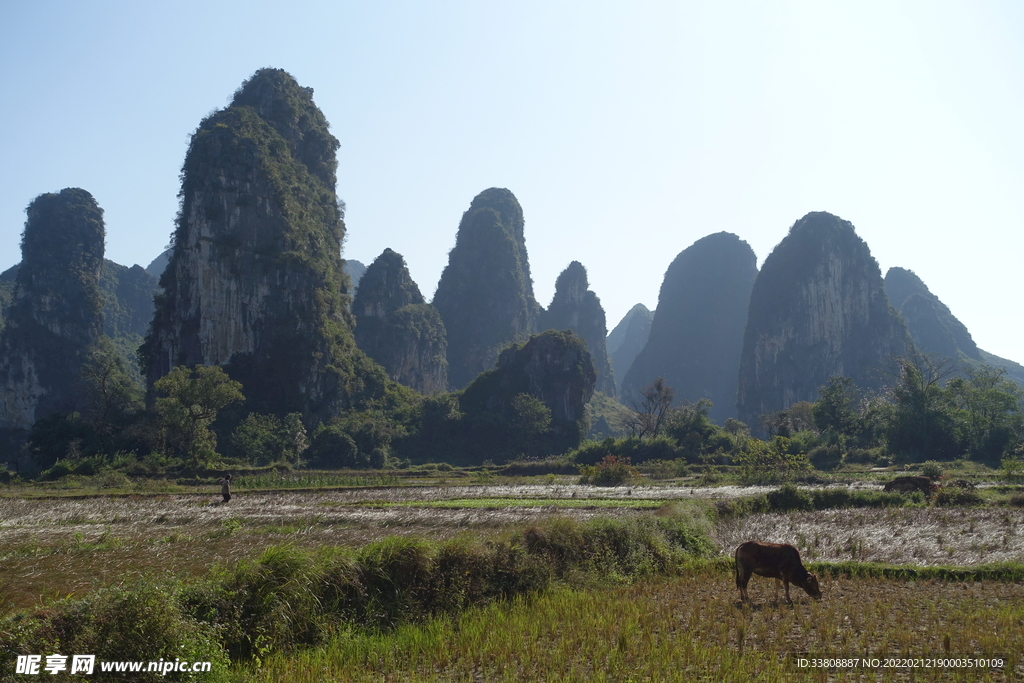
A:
(627, 130)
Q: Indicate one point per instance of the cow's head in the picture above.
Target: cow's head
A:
(812, 587)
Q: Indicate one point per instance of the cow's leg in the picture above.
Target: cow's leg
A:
(778, 582)
(742, 578)
(787, 591)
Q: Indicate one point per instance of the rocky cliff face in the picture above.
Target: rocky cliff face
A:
(255, 281)
(485, 295)
(933, 327)
(397, 328)
(627, 340)
(576, 308)
(7, 284)
(127, 295)
(554, 367)
(57, 311)
(818, 309)
(697, 331)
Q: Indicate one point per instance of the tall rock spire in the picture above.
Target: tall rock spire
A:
(697, 330)
(57, 312)
(574, 307)
(255, 282)
(485, 295)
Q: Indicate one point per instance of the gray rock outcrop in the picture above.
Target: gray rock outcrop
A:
(818, 309)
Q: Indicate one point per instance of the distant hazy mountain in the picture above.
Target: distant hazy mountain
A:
(934, 327)
(818, 309)
(627, 339)
(156, 266)
(697, 330)
(355, 270)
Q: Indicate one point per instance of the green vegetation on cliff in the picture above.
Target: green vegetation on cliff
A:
(255, 281)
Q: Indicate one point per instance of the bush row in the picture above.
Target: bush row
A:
(789, 498)
(290, 597)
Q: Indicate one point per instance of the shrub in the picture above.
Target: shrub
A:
(825, 457)
(789, 497)
(551, 465)
(665, 469)
(931, 469)
(144, 622)
(861, 456)
(828, 499)
(289, 597)
(1012, 469)
(954, 495)
(637, 450)
(611, 471)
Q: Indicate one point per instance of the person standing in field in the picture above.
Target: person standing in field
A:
(225, 487)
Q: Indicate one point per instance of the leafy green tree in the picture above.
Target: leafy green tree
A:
(111, 392)
(192, 398)
(919, 421)
(265, 439)
(694, 432)
(529, 418)
(835, 410)
(989, 420)
(770, 460)
(334, 448)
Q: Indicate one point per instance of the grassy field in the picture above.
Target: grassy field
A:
(685, 626)
(689, 628)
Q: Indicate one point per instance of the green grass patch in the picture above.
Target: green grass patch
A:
(686, 628)
(503, 503)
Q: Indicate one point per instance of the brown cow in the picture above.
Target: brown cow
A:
(779, 561)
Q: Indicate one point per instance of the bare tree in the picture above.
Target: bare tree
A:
(649, 416)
